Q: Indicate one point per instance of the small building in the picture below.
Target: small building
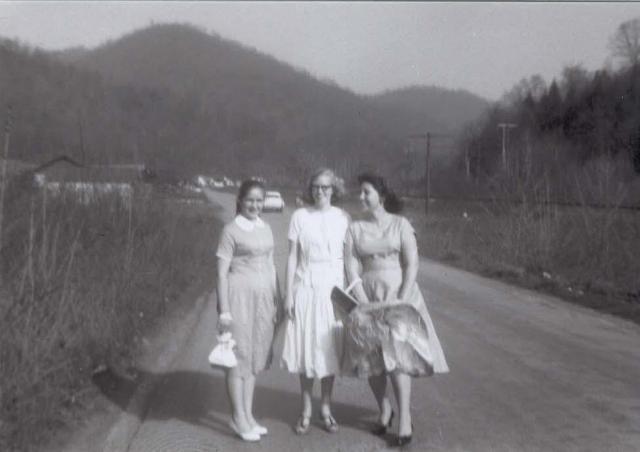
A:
(87, 182)
(15, 167)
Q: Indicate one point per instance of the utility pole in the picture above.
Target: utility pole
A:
(407, 166)
(428, 175)
(427, 186)
(505, 126)
(5, 157)
(81, 138)
(467, 162)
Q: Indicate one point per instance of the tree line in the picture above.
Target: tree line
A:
(579, 118)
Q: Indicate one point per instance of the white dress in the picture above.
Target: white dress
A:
(313, 339)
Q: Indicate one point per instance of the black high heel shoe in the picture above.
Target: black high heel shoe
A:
(382, 429)
(403, 440)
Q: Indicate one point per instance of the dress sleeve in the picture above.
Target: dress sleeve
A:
(226, 244)
(347, 218)
(407, 233)
(272, 240)
(350, 239)
(294, 226)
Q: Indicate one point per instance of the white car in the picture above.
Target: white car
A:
(273, 201)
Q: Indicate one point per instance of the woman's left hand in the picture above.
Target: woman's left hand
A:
(224, 322)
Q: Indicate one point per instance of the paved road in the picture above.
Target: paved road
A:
(528, 373)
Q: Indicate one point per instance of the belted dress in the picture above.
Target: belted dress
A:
(388, 334)
(252, 291)
(313, 339)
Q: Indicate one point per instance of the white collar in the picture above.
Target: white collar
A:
(247, 225)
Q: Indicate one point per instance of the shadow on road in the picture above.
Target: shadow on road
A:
(200, 399)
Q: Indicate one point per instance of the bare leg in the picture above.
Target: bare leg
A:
(402, 388)
(306, 388)
(248, 389)
(378, 386)
(326, 388)
(330, 424)
(235, 392)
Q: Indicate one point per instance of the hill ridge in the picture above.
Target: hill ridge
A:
(181, 98)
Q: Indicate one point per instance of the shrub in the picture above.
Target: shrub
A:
(80, 283)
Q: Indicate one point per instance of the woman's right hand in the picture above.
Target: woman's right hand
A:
(288, 307)
(361, 296)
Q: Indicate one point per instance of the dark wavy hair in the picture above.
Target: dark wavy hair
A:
(337, 184)
(391, 202)
(245, 188)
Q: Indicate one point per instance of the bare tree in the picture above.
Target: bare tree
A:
(575, 80)
(535, 86)
(625, 43)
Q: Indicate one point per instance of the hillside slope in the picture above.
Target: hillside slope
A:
(447, 109)
(183, 100)
(255, 97)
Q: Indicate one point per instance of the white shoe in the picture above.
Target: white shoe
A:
(251, 435)
(260, 430)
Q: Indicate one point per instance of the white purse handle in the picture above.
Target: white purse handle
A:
(352, 285)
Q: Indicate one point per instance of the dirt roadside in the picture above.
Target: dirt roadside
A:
(114, 404)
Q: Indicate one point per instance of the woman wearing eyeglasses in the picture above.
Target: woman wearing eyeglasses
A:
(313, 341)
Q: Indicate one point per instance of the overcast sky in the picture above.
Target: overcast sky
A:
(366, 47)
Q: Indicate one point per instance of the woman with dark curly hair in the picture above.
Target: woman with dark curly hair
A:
(390, 334)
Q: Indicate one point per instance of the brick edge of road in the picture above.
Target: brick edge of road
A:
(125, 428)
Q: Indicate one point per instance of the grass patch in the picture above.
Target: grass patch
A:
(80, 286)
(582, 254)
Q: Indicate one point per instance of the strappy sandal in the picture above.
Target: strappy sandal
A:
(381, 429)
(303, 425)
(330, 424)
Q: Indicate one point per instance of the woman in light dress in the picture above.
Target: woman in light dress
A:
(248, 294)
(312, 340)
(392, 334)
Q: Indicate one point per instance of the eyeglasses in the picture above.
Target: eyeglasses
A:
(316, 187)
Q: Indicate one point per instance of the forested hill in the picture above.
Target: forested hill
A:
(57, 109)
(257, 112)
(176, 97)
(189, 61)
(256, 97)
(448, 110)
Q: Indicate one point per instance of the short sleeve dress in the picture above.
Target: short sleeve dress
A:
(313, 339)
(252, 291)
(388, 334)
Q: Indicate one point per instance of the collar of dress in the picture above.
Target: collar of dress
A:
(248, 225)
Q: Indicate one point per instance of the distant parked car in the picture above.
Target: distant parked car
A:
(201, 181)
(273, 201)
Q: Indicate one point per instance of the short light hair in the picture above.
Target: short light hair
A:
(337, 185)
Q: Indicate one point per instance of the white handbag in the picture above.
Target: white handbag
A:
(222, 354)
